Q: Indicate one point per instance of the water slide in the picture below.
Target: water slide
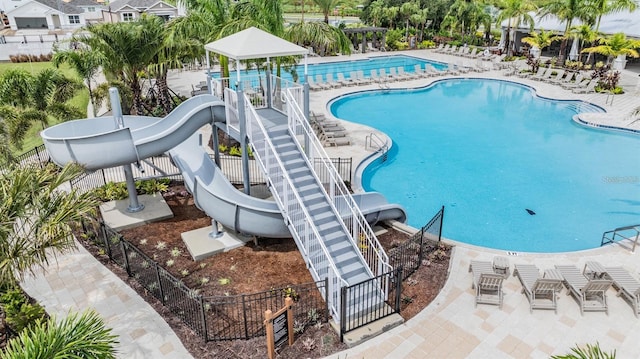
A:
(98, 143)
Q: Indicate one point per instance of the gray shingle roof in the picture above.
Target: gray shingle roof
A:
(62, 6)
(138, 4)
(84, 3)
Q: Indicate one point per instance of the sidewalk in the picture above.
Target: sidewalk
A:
(79, 282)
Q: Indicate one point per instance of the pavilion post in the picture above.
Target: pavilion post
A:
(268, 83)
(243, 131)
(364, 42)
(305, 106)
(209, 72)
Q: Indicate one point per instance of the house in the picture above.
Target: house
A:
(129, 10)
(50, 14)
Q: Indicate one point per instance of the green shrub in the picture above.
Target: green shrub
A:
(20, 314)
(112, 192)
(427, 44)
(235, 151)
(393, 37)
(151, 186)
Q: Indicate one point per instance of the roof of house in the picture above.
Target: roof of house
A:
(83, 2)
(138, 4)
(62, 6)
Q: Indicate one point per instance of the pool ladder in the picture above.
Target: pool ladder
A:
(374, 142)
(633, 233)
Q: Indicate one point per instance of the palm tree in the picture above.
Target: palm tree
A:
(85, 63)
(323, 37)
(126, 50)
(326, 6)
(14, 125)
(83, 336)
(585, 34)
(566, 11)
(516, 12)
(540, 39)
(616, 45)
(406, 10)
(376, 12)
(604, 7)
(37, 218)
(36, 98)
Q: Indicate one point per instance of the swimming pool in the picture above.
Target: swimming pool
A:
(488, 150)
(345, 67)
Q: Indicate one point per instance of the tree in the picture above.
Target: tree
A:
(326, 6)
(585, 34)
(406, 10)
(604, 7)
(566, 11)
(83, 336)
(37, 218)
(126, 50)
(85, 62)
(29, 99)
(323, 37)
(616, 45)
(516, 12)
(540, 39)
(589, 352)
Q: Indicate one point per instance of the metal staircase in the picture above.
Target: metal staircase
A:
(331, 233)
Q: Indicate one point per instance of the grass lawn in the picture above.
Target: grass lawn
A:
(81, 100)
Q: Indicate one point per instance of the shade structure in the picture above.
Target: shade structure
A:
(254, 43)
(573, 54)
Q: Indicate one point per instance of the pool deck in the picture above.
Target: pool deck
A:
(450, 327)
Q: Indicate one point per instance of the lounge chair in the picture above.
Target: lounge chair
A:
(568, 76)
(452, 50)
(497, 62)
(343, 81)
(432, 70)
(627, 286)
(331, 82)
(590, 294)
(473, 54)
(320, 82)
(487, 283)
(363, 80)
(452, 70)
(353, 75)
(375, 77)
(541, 292)
(386, 77)
(439, 48)
(334, 141)
(394, 73)
(575, 83)
(557, 77)
(407, 75)
(545, 75)
(313, 85)
(590, 87)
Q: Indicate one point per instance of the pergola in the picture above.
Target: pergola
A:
(354, 33)
(253, 43)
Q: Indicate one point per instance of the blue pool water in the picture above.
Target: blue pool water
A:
(488, 150)
(345, 67)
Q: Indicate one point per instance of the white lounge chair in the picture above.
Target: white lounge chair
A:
(313, 85)
(384, 75)
(331, 82)
(590, 87)
(363, 80)
(433, 71)
(575, 83)
(320, 82)
(354, 77)
(627, 286)
(487, 283)
(590, 294)
(344, 81)
(407, 75)
(541, 292)
(557, 77)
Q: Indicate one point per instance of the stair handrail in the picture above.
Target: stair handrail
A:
(606, 240)
(361, 233)
(264, 155)
(373, 138)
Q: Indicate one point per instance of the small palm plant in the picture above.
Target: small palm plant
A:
(76, 336)
(589, 352)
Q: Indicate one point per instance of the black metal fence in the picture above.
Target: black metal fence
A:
(410, 254)
(212, 318)
(37, 156)
(371, 300)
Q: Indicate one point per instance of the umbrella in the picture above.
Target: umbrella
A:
(573, 54)
(502, 39)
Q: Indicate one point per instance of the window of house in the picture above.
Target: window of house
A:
(74, 19)
(127, 16)
(91, 9)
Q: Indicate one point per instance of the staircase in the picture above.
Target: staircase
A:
(331, 233)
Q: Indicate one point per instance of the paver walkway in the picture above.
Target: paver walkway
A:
(79, 282)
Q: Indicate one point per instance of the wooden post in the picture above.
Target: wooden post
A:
(269, 318)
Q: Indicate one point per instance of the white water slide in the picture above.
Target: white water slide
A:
(98, 143)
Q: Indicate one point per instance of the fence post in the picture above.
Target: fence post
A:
(38, 155)
(398, 288)
(124, 254)
(105, 237)
(244, 319)
(421, 252)
(326, 295)
(204, 320)
(343, 309)
(159, 284)
(441, 221)
(104, 178)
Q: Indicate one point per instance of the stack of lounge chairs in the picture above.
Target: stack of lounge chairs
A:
(330, 133)
(588, 286)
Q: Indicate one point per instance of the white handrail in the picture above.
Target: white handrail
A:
(361, 233)
(295, 213)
